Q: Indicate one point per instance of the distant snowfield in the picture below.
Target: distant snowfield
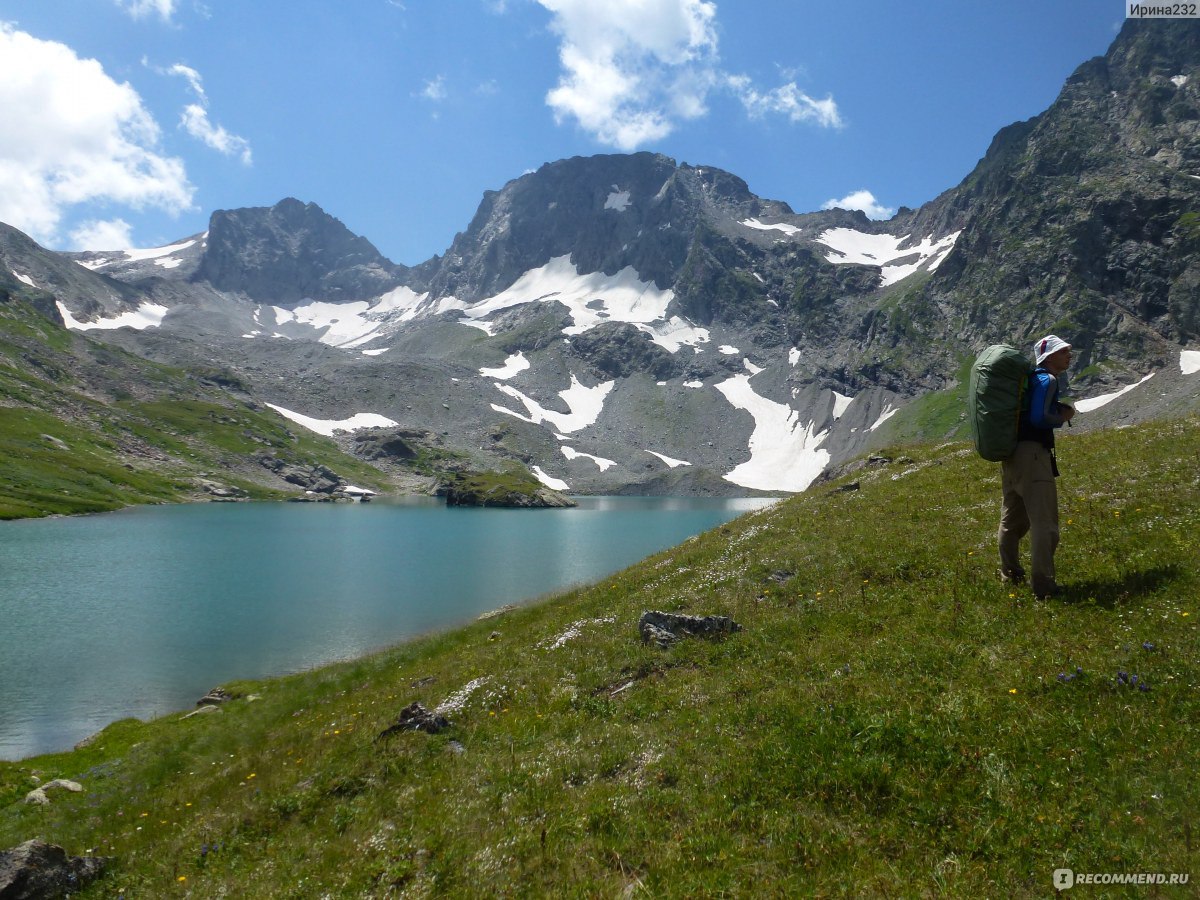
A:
(513, 366)
(350, 325)
(784, 454)
(888, 412)
(850, 246)
(158, 254)
(840, 403)
(328, 426)
(618, 200)
(148, 315)
(593, 299)
(555, 484)
(1189, 361)
(787, 229)
(603, 464)
(1096, 402)
(585, 405)
(672, 463)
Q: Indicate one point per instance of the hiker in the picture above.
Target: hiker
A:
(1030, 495)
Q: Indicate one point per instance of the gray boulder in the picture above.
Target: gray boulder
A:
(36, 870)
(416, 717)
(664, 629)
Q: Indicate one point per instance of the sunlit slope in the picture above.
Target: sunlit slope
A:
(891, 719)
(86, 427)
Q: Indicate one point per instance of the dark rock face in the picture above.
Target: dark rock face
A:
(416, 717)
(1084, 218)
(606, 213)
(664, 628)
(619, 350)
(36, 870)
(391, 443)
(290, 252)
(317, 478)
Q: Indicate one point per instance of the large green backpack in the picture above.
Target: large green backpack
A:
(999, 380)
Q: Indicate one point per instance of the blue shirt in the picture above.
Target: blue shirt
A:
(1044, 408)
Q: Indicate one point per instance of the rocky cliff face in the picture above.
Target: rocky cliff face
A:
(290, 252)
(1084, 219)
(629, 323)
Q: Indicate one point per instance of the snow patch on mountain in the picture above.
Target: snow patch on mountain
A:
(785, 454)
(1189, 361)
(162, 256)
(1096, 402)
(350, 325)
(618, 200)
(603, 464)
(888, 412)
(673, 463)
(344, 324)
(513, 366)
(555, 484)
(840, 402)
(858, 248)
(593, 299)
(789, 230)
(327, 427)
(585, 405)
(148, 315)
(24, 278)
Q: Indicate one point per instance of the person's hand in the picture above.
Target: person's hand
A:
(1068, 413)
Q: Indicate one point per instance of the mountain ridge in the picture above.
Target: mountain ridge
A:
(603, 314)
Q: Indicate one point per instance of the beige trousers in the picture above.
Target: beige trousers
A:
(1030, 506)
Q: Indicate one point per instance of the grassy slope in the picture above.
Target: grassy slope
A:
(87, 428)
(890, 721)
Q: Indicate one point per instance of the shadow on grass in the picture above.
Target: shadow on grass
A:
(1110, 593)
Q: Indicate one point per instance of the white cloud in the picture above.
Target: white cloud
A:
(114, 234)
(634, 69)
(435, 89)
(194, 119)
(193, 79)
(71, 136)
(787, 100)
(195, 122)
(139, 8)
(863, 200)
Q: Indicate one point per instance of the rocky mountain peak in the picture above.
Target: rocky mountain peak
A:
(290, 252)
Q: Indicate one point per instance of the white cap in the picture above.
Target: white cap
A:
(1048, 346)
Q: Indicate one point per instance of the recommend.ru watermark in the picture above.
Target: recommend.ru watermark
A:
(1068, 878)
(1134, 10)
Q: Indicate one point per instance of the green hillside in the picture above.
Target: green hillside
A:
(86, 427)
(891, 720)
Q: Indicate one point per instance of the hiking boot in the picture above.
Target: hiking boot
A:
(1011, 577)
(1046, 592)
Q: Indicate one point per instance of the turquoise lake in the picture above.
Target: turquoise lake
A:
(141, 612)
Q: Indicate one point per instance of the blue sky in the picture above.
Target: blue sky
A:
(127, 122)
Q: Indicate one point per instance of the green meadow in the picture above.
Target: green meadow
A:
(891, 720)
